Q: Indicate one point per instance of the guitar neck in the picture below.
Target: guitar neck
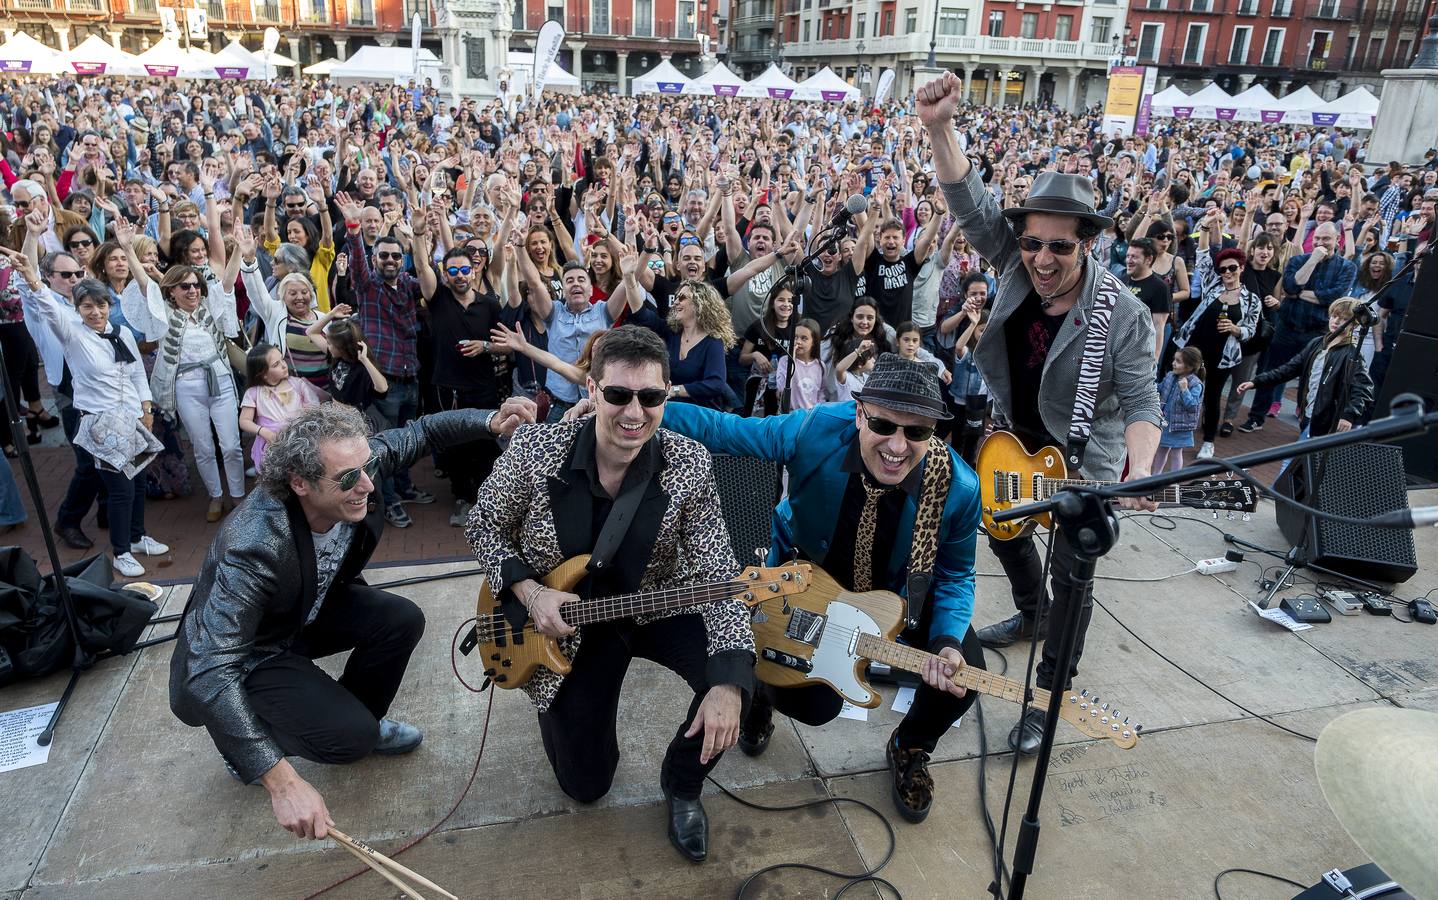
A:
(911, 659)
(624, 606)
(1051, 486)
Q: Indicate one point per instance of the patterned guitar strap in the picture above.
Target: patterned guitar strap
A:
(924, 549)
(1091, 369)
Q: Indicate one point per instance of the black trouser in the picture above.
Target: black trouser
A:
(85, 483)
(579, 728)
(468, 465)
(315, 717)
(1214, 391)
(971, 420)
(1023, 563)
(125, 508)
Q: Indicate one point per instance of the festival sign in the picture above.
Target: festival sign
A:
(546, 51)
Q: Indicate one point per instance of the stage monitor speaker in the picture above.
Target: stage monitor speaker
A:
(1359, 481)
(748, 490)
(1414, 370)
(1421, 316)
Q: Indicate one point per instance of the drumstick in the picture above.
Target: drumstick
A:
(388, 863)
(382, 872)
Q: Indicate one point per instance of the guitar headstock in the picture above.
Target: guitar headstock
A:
(765, 582)
(1219, 493)
(1098, 721)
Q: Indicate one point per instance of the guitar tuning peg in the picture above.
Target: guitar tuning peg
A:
(1125, 719)
(1083, 693)
(1105, 707)
(1137, 729)
(1248, 517)
(1094, 699)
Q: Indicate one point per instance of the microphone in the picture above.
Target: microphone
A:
(856, 205)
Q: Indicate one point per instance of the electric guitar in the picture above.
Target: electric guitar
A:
(1010, 476)
(511, 655)
(827, 635)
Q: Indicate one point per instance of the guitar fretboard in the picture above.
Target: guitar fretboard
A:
(1051, 486)
(912, 659)
(623, 606)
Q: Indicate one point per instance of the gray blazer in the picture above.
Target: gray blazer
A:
(1127, 392)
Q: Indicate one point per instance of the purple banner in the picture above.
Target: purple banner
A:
(1182, 112)
(14, 65)
(833, 96)
(88, 68)
(1145, 113)
(1271, 116)
(162, 71)
(726, 90)
(671, 87)
(1226, 115)
(1325, 119)
(780, 93)
(232, 71)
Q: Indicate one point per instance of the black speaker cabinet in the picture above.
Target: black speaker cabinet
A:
(748, 490)
(1422, 314)
(1414, 370)
(1360, 481)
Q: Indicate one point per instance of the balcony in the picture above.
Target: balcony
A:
(92, 6)
(313, 13)
(144, 8)
(1030, 49)
(361, 12)
(267, 12)
(1317, 64)
(619, 28)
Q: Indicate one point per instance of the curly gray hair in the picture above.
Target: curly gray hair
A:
(296, 449)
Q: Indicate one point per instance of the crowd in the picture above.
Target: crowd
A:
(209, 259)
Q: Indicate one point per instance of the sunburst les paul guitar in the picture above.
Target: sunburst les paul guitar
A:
(827, 635)
(1010, 476)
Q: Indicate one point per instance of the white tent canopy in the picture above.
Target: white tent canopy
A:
(94, 56)
(717, 81)
(23, 54)
(1356, 109)
(662, 79)
(1298, 106)
(1165, 100)
(1208, 101)
(323, 67)
(772, 82)
(167, 59)
(557, 79)
(825, 85)
(381, 64)
(1251, 104)
(234, 55)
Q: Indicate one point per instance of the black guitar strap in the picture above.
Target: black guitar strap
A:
(616, 524)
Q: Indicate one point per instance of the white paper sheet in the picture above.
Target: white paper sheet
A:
(1279, 617)
(904, 698)
(18, 730)
(857, 713)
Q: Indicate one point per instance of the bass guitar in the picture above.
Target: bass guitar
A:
(827, 635)
(1010, 476)
(511, 655)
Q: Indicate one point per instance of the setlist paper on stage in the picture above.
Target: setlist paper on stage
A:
(18, 730)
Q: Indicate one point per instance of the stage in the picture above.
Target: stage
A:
(133, 804)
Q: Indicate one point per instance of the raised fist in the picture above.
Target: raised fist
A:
(939, 100)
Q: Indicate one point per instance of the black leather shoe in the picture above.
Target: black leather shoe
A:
(688, 827)
(1028, 733)
(1017, 627)
(73, 538)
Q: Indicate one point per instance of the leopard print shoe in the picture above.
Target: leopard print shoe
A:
(913, 787)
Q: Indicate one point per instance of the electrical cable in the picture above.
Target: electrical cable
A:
(1219, 877)
(1001, 869)
(868, 876)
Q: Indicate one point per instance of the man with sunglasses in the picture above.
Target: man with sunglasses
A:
(1049, 377)
(281, 587)
(29, 197)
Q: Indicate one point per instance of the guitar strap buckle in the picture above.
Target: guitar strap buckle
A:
(919, 584)
(1074, 452)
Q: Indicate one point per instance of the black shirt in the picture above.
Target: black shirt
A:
(830, 297)
(1028, 335)
(892, 285)
(1154, 293)
(452, 322)
(839, 561)
(583, 464)
(351, 384)
(773, 346)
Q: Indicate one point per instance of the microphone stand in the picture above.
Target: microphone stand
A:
(1084, 517)
(828, 236)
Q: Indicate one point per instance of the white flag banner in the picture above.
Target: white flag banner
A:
(271, 41)
(886, 82)
(414, 30)
(546, 51)
(199, 23)
(169, 23)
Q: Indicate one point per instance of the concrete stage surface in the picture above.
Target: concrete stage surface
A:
(133, 804)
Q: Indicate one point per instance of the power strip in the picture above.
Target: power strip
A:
(1216, 566)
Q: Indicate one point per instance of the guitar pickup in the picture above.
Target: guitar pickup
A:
(805, 627)
(787, 660)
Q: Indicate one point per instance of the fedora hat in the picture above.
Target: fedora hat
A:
(905, 385)
(1062, 195)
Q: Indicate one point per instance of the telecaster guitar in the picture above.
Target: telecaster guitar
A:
(1010, 476)
(827, 635)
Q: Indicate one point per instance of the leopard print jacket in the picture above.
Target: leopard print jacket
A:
(512, 517)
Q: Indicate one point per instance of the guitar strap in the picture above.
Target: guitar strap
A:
(1091, 369)
(924, 548)
(616, 524)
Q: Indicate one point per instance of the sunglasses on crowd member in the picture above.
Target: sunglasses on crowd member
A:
(186, 286)
(77, 243)
(649, 398)
(386, 254)
(688, 240)
(350, 477)
(885, 427)
(1227, 270)
(1164, 237)
(1057, 248)
(67, 273)
(479, 250)
(671, 218)
(458, 270)
(22, 204)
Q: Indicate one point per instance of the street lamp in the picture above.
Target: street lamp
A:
(860, 75)
(934, 37)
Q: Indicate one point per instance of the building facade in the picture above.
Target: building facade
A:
(1332, 46)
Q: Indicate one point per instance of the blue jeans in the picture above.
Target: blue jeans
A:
(399, 407)
(85, 483)
(1298, 323)
(1302, 436)
(12, 506)
(127, 510)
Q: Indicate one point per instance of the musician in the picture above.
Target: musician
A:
(878, 502)
(1038, 352)
(280, 587)
(550, 498)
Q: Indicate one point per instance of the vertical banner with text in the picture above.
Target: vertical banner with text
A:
(1125, 98)
(546, 51)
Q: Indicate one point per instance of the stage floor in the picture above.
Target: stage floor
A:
(133, 804)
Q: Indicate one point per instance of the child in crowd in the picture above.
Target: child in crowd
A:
(807, 390)
(356, 380)
(1181, 394)
(909, 341)
(970, 396)
(272, 397)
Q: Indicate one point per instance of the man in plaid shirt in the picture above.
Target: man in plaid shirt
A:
(1391, 203)
(386, 297)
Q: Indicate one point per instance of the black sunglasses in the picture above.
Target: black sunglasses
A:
(22, 204)
(350, 477)
(381, 254)
(884, 428)
(188, 286)
(649, 398)
(1225, 270)
(1058, 248)
(73, 273)
(83, 242)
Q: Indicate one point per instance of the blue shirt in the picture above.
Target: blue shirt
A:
(1332, 279)
(568, 333)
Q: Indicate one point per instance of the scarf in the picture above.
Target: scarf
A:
(122, 350)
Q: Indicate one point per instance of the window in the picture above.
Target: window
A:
(1403, 53)
(1282, 7)
(954, 21)
(1327, 9)
(1029, 25)
(863, 21)
(806, 31)
(555, 13)
(911, 21)
(1375, 52)
(1238, 52)
(1064, 29)
(1153, 4)
(684, 20)
(599, 16)
(996, 24)
(517, 22)
(1248, 7)
(1150, 35)
(1201, 6)
(643, 18)
(1318, 46)
(1352, 51)
(1100, 30)
(1193, 45)
(1273, 46)
(887, 26)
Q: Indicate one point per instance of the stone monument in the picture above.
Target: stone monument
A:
(474, 35)
(1407, 125)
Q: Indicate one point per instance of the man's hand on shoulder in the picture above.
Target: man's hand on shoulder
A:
(514, 412)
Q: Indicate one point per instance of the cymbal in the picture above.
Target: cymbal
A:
(1376, 770)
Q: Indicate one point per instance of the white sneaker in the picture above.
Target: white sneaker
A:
(126, 565)
(149, 546)
(1206, 451)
